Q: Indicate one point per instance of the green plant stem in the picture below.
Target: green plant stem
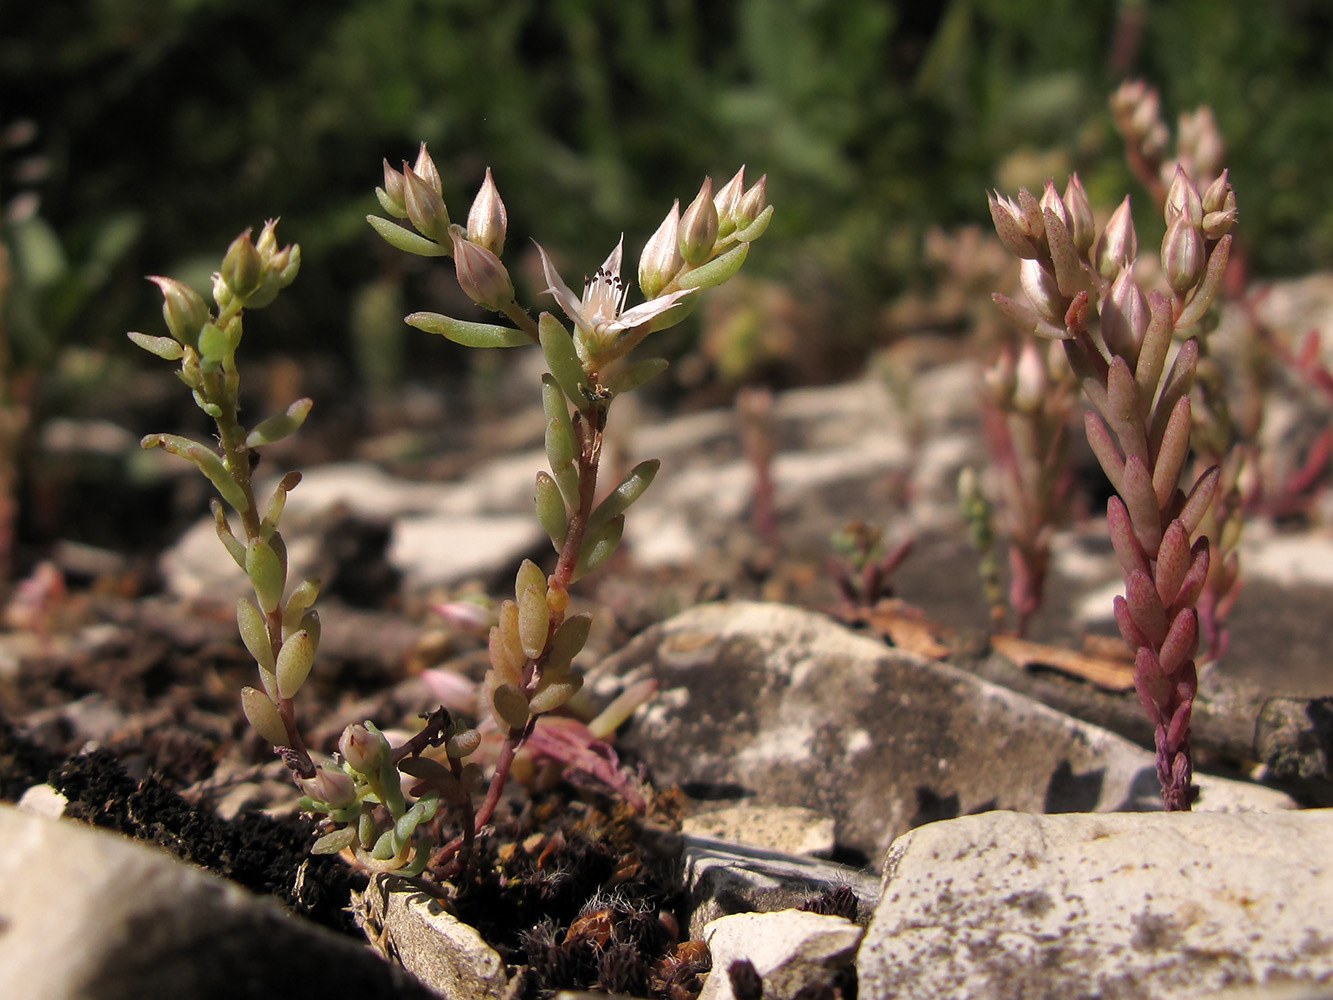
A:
(236, 456)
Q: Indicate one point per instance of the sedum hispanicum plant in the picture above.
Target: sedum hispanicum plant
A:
(388, 808)
(1081, 289)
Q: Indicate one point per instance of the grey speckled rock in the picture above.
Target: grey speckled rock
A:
(788, 948)
(90, 915)
(792, 708)
(1005, 905)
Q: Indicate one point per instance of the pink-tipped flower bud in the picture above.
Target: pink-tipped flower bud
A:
(1125, 316)
(425, 169)
(363, 750)
(1183, 254)
(487, 220)
(1119, 243)
(1032, 381)
(1050, 202)
(394, 193)
(481, 275)
(727, 201)
(1200, 142)
(1043, 291)
(183, 308)
(329, 788)
(698, 226)
(752, 203)
(1013, 227)
(425, 206)
(661, 260)
(242, 267)
(1216, 197)
(1082, 227)
(1182, 198)
(1218, 224)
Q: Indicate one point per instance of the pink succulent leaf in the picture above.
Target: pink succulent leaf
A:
(1181, 642)
(1127, 548)
(454, 691)
(1173, 561)
(1131, 633)
(1195, 577)
(1150, 683)
(1146, 607)
(568, 741)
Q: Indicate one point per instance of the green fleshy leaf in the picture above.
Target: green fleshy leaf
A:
(599, 546)
(402, 239)
(208, 461)
(264, 567)
(756, 228)
(230, 542)
(630, 489)
(551, 510)
(632, 376)
(278, 427)
(717, 270)
(562, 359)
(166, 348)
(334, 842)
(468, 334)
(295, 659)
(254, 633)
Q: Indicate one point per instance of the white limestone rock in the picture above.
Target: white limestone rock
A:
(90, 915)
(1149, 906)
(788, 948)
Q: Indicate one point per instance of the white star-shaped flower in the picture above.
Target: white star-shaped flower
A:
(601, 316)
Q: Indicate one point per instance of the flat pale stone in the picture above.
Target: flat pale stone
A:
(791, 829)
(1133, 905)
(90, 915)
(445, 954)
(788, 707)
(788, 948)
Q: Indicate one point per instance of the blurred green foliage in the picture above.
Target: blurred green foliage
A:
(171, 124)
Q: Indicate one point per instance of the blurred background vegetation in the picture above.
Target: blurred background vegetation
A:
(140, 137)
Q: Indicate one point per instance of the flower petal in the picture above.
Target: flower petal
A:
(612, 263)
(568, 301)
(651, 309)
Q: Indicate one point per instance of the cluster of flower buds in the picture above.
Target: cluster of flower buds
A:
(1032, 397)
(1140, 424)
(408, 784)
(416, 194)
(1200, 151)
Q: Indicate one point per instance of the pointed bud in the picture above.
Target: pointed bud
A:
(1082, 228)
(487, 220)
(183, 308)
(242, 267)
(1200, 142)
(1218, 224)
(1215, 198)
(1001, 378)
(1032, 383)
(393, 193)
(727, 201)
(425, 206)
(1050, 202)
(481, 275)
(425, 169)
(330, 788)
(267, 244)
(661, 259)
(698, 226)
(752, 203)
(1119, 243)
(1183, 198)
(1183, 254)
(1043, 291)
(1012, 227)
(1125, 316)
(363, 750)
